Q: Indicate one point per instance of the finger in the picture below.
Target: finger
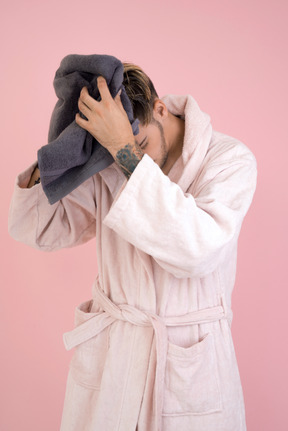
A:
(81, 122)
(118, 100)
(103, 88)
(87, 99)
(83, 108)
(119, 93)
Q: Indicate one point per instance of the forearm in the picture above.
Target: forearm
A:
(187, 236)
(35, 178)
(67, 223)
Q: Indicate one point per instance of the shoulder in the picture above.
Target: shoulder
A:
(224, 149)
(224, 152)
(227, 160)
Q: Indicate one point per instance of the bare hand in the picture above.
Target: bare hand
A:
(107, 120)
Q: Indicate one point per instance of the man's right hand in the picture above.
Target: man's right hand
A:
(35, 178)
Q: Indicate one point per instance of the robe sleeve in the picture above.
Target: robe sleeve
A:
(67, 223)
(187, 234)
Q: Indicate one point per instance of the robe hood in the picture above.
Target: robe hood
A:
(197, 136)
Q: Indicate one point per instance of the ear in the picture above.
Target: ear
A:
(160, 111)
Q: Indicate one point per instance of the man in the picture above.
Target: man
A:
(153, 348)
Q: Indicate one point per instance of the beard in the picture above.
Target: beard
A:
(164, 154)
(164, 150)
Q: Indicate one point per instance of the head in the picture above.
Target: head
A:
(155, 132)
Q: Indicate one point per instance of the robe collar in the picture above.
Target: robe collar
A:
(197, 137)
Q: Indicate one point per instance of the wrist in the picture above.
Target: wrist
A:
(128, 156)
(116, 147)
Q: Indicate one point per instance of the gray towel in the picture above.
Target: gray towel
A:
(72, 154)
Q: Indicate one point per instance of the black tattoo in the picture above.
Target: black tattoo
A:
(128, 158)
(37, 181)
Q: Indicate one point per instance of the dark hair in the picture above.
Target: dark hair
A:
(141, 92)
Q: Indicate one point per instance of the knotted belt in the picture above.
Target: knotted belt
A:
(125, 312)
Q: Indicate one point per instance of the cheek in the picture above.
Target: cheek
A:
(152, 150)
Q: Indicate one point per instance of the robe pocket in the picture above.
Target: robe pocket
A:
(192, 379)
(88, 360)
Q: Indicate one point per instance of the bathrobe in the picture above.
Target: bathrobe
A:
(153, 348)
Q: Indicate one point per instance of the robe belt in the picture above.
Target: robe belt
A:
(97, 322)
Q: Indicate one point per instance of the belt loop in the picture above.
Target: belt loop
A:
(228, 313)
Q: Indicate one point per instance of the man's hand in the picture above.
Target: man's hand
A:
(108, 122)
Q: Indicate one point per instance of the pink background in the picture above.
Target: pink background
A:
(230, 56)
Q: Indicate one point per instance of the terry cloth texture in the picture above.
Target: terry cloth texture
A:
(72, 154)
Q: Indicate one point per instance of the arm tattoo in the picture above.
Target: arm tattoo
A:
(37, 181)
(128, 158)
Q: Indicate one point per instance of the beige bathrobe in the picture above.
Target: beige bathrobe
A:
(153, 347)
